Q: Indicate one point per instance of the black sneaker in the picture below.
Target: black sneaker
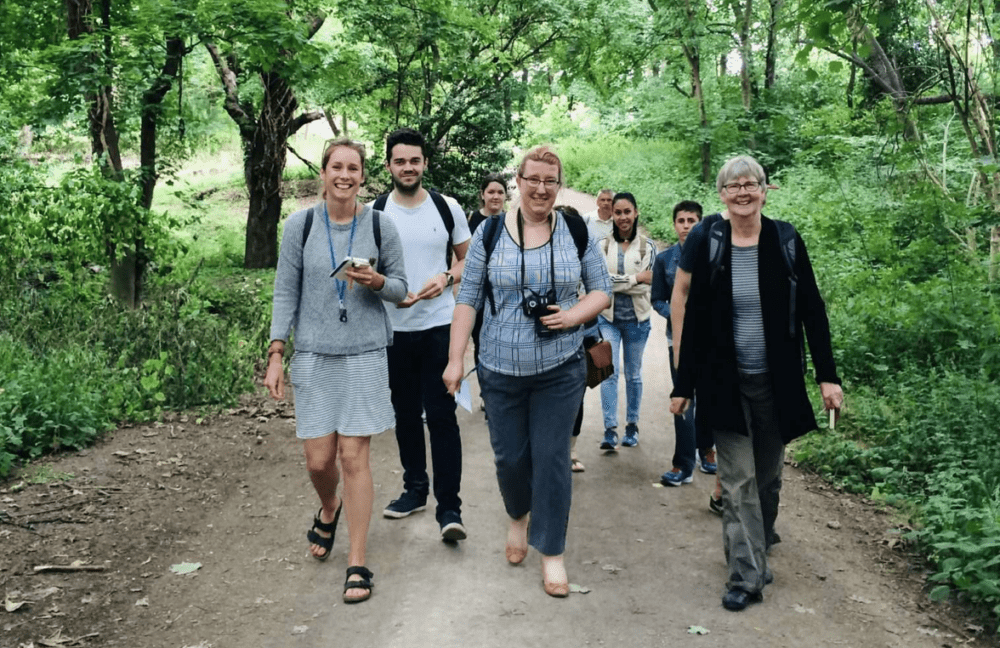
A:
(408, 502)
(610, 441)
(452, 529)
(737, 599)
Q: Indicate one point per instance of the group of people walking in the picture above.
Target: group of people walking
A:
(380, 340)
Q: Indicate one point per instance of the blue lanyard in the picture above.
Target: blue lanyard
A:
(341, 285)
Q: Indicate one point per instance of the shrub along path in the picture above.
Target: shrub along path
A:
(230, 493)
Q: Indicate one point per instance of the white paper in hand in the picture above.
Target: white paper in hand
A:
(349, 262)
(464, 395)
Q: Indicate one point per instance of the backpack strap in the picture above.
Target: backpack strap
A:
(578, 230)
(786, 240)
(377, 234)
(308, 226)
(447, 218)
(305, 237)
(379, 203)
(492, 228)
(718, 238)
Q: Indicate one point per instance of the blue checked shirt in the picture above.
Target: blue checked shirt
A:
(508, 343)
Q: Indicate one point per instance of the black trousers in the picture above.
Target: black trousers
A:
(417, 360)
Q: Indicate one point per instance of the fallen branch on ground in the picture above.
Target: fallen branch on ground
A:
(43, 569)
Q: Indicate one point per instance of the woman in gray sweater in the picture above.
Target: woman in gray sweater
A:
(341, 328)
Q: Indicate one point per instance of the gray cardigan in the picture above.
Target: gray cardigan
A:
(307, 300)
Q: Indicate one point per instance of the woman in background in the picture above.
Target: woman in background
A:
(625, 323)
(492, 196)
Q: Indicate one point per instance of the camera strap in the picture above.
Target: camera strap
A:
(552, 252)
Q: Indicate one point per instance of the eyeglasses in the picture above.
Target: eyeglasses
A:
(534, 182)
(735, 187)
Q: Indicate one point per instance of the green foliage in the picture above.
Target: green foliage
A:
(74, 362)
(646, 168)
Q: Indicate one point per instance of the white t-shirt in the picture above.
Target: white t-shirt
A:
(598, 229)
(425, 238)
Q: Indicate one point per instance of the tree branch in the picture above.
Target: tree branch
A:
(312, 167)
(302, 120)
(244, 119)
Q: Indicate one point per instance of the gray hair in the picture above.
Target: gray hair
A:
(737, 167)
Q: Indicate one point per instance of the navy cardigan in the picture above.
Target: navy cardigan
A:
(708, 350)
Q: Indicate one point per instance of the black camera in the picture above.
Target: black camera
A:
(536, 306)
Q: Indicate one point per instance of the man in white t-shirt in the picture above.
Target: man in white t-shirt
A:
(435, 237)
(599, 220)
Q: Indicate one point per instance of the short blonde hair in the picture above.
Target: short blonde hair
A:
(543, 153)
(738, 167)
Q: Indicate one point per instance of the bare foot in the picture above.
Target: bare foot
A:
(554, 576)
(326, 518)
(517, 540)
(355, 592)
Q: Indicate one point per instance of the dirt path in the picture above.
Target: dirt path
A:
(231, 493)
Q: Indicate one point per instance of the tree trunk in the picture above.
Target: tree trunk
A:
(264, 164)
(743, 19)
(331, 121)
(771, 55)
(125, 275)
(693, 56)
(994, 272)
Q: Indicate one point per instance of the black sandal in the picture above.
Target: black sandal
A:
(365, 584)
(325, 527)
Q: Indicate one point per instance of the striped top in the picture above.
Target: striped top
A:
(748, 318)
(508, 343)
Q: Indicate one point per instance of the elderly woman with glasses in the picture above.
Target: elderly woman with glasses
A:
(752, 298)
(532, 371)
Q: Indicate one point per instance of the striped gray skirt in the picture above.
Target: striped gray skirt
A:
(346, 394)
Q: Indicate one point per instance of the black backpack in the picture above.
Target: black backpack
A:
(493, 228)
(443, 209)
(718, 237)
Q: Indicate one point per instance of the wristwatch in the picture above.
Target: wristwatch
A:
(451, 279)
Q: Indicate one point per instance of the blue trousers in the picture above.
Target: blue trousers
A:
(531, 422)
(687, 435)
(631, 336)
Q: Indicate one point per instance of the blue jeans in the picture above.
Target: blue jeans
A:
(531, 422)
(634, 336)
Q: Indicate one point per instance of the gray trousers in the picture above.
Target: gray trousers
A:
(531, 423)
(750, 471)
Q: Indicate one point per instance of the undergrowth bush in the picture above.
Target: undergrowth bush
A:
(75, 363)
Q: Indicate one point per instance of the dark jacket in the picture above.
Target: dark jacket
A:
(708, 350)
